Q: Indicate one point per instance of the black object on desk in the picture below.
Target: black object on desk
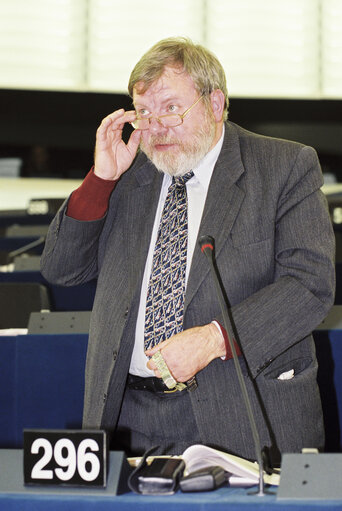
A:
(205, 479)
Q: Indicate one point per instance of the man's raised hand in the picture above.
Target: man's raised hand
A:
(112, 156)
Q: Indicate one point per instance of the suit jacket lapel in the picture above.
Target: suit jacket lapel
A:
(222, 205)
(142, 201)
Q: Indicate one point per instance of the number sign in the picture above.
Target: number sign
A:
(65, 457)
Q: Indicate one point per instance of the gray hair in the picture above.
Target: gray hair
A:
(202, 65)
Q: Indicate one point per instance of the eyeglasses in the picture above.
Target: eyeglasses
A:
(167, 121)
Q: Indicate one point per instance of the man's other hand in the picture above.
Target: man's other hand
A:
(189, 351)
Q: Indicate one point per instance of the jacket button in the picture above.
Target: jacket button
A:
(126, 312)
(104, 398)
(115, 354)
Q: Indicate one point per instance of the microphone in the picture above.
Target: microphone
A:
(207, 244)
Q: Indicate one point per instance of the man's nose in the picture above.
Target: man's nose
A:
(156, 126)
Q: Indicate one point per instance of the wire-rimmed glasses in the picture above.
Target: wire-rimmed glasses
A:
(167, 121)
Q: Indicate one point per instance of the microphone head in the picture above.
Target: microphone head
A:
(206, 244)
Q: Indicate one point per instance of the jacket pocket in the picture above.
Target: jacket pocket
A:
(292, 369)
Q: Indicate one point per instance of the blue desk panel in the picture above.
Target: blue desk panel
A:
(41, 383)
(329, 354)
(224, 499)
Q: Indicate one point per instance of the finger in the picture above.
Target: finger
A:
(163, 344)
(151, 365)
(116, 120)
(134, 141)
(113, 117)
(151, 351)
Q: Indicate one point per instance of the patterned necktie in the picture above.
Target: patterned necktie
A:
(165, 294)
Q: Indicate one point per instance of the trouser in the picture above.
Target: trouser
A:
(149, 419)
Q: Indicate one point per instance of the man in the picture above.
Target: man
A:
(260, 199)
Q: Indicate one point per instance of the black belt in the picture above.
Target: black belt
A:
(149, 383)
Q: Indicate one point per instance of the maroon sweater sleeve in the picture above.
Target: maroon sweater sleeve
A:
(229, 353)
(90, 200)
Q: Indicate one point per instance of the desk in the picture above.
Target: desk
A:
(14, 496)
(16, 193)
(63, 298)
(41, 384)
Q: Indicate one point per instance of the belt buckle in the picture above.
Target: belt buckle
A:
(191, 384)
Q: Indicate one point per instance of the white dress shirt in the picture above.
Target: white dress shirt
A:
(197, 188)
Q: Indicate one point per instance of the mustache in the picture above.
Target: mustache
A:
(156, 140)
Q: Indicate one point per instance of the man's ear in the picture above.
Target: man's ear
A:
(217, 101)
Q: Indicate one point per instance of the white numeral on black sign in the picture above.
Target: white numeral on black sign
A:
(85, 457)
(38, 471)
(67, 459)
(65, 456)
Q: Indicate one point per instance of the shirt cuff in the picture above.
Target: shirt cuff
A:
(90, 201)
(224, 334)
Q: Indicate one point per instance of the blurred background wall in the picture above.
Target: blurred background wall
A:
(65, 64)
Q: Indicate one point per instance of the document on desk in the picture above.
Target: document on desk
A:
(243, 472)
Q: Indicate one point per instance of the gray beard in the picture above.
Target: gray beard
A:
(189, 155)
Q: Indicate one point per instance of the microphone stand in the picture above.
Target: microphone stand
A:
(207, 247)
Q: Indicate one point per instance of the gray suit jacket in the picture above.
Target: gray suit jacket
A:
(275, 253)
